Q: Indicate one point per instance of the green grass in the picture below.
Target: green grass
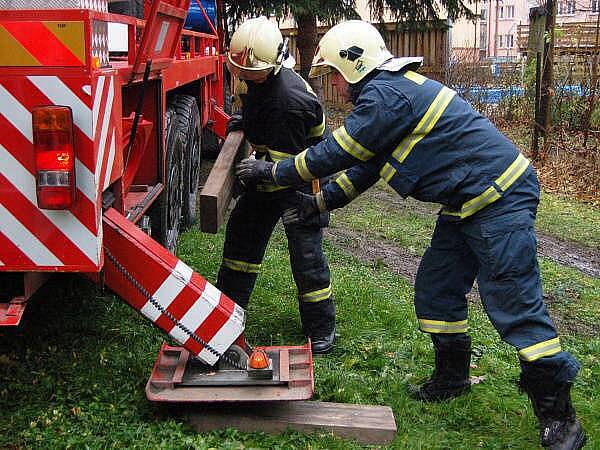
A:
(409, 223)
(569, 219)
(74, 375)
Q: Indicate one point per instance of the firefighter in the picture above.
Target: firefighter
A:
(427, 142)
(280, 117)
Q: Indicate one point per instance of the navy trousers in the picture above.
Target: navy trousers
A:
(248, 232)
(497, 246)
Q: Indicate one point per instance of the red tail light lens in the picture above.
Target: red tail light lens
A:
(54, 156)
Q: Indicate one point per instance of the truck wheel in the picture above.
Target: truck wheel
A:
(166, 213)
(188, 124)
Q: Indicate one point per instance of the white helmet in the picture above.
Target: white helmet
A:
(355, 48)
(256, 49)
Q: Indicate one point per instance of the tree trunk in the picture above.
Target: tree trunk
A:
(306, 41)
(547, 85)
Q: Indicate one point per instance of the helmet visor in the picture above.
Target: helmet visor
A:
(248, 74)
(319, 70)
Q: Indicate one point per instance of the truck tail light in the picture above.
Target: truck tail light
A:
(54, 156)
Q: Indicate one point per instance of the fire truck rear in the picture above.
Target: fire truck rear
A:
(102, 117)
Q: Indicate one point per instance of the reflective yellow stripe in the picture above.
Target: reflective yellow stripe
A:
(301, 167)
(316, 296)
(415, 77)
(491, 194)
(317, 130)
(241, 266)
(278, 156)
(439, 326)
(514, 171)
(387, 172)
(344, 182)
(426, 124)
(537, 351)
(270, 187)
(351, 146)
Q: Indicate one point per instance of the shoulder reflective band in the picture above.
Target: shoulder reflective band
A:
(351, 146)
(440, 326)
(301, 167)
(426, 124)
(317, 130)
(387, 172)
(537, 351)
(316, 296)
(493, 193)
(241, 266)
(344, 182)
(415, 77)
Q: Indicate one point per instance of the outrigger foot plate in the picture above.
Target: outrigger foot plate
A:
(178, 377)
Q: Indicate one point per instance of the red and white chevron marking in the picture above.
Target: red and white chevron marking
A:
(194, 302)
(105, 120)
(34, 239)
(201, 308)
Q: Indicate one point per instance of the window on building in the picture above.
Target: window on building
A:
(510, 42)
(483, 37)
(566, 7)
(500, 41)
(501, 12)
(595, 6)
(484, 12)
(510, 11)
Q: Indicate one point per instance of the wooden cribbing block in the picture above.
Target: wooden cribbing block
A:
(367, 424)
(217, 192)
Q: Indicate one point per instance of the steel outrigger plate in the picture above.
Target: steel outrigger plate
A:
(177, 377)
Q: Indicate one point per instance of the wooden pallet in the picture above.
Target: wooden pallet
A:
(364, 423)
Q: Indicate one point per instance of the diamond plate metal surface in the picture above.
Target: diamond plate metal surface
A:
(100, 41)
(96, 5)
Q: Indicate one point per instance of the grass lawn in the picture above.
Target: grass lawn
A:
(73, 376)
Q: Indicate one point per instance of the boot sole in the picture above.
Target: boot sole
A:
(440, 397)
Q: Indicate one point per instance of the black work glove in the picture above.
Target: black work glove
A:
(253, 171)
(304, 209)
(235, 123)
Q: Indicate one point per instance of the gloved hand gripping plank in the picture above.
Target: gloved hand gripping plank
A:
(143, 274)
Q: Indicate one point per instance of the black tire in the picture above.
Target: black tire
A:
(187, 122)
(166, 213)
(133, 8)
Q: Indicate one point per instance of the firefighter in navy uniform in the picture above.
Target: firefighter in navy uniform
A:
(280, 117)
(426, 142)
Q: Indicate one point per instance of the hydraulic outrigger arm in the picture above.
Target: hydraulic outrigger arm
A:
(213, 363)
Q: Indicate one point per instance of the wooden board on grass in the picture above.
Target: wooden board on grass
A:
(217, 192)
(364, 423)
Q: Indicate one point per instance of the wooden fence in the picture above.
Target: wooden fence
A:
(429, 39)
(569, 38)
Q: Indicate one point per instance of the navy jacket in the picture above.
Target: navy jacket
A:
(422, 139)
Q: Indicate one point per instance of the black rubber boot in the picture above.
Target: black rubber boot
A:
(559, 427)
(451, 375)
(318, 323)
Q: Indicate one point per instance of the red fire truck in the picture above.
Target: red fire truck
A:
(99, 167)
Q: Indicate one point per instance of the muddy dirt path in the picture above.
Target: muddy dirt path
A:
(564, 252)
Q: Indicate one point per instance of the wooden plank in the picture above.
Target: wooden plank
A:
(367, 424)
(217, 192)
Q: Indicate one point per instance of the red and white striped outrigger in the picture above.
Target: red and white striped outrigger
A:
(74, 183)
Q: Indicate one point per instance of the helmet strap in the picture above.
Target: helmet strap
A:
(283, 51)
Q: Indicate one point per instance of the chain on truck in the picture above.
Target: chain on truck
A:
(105, 118)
